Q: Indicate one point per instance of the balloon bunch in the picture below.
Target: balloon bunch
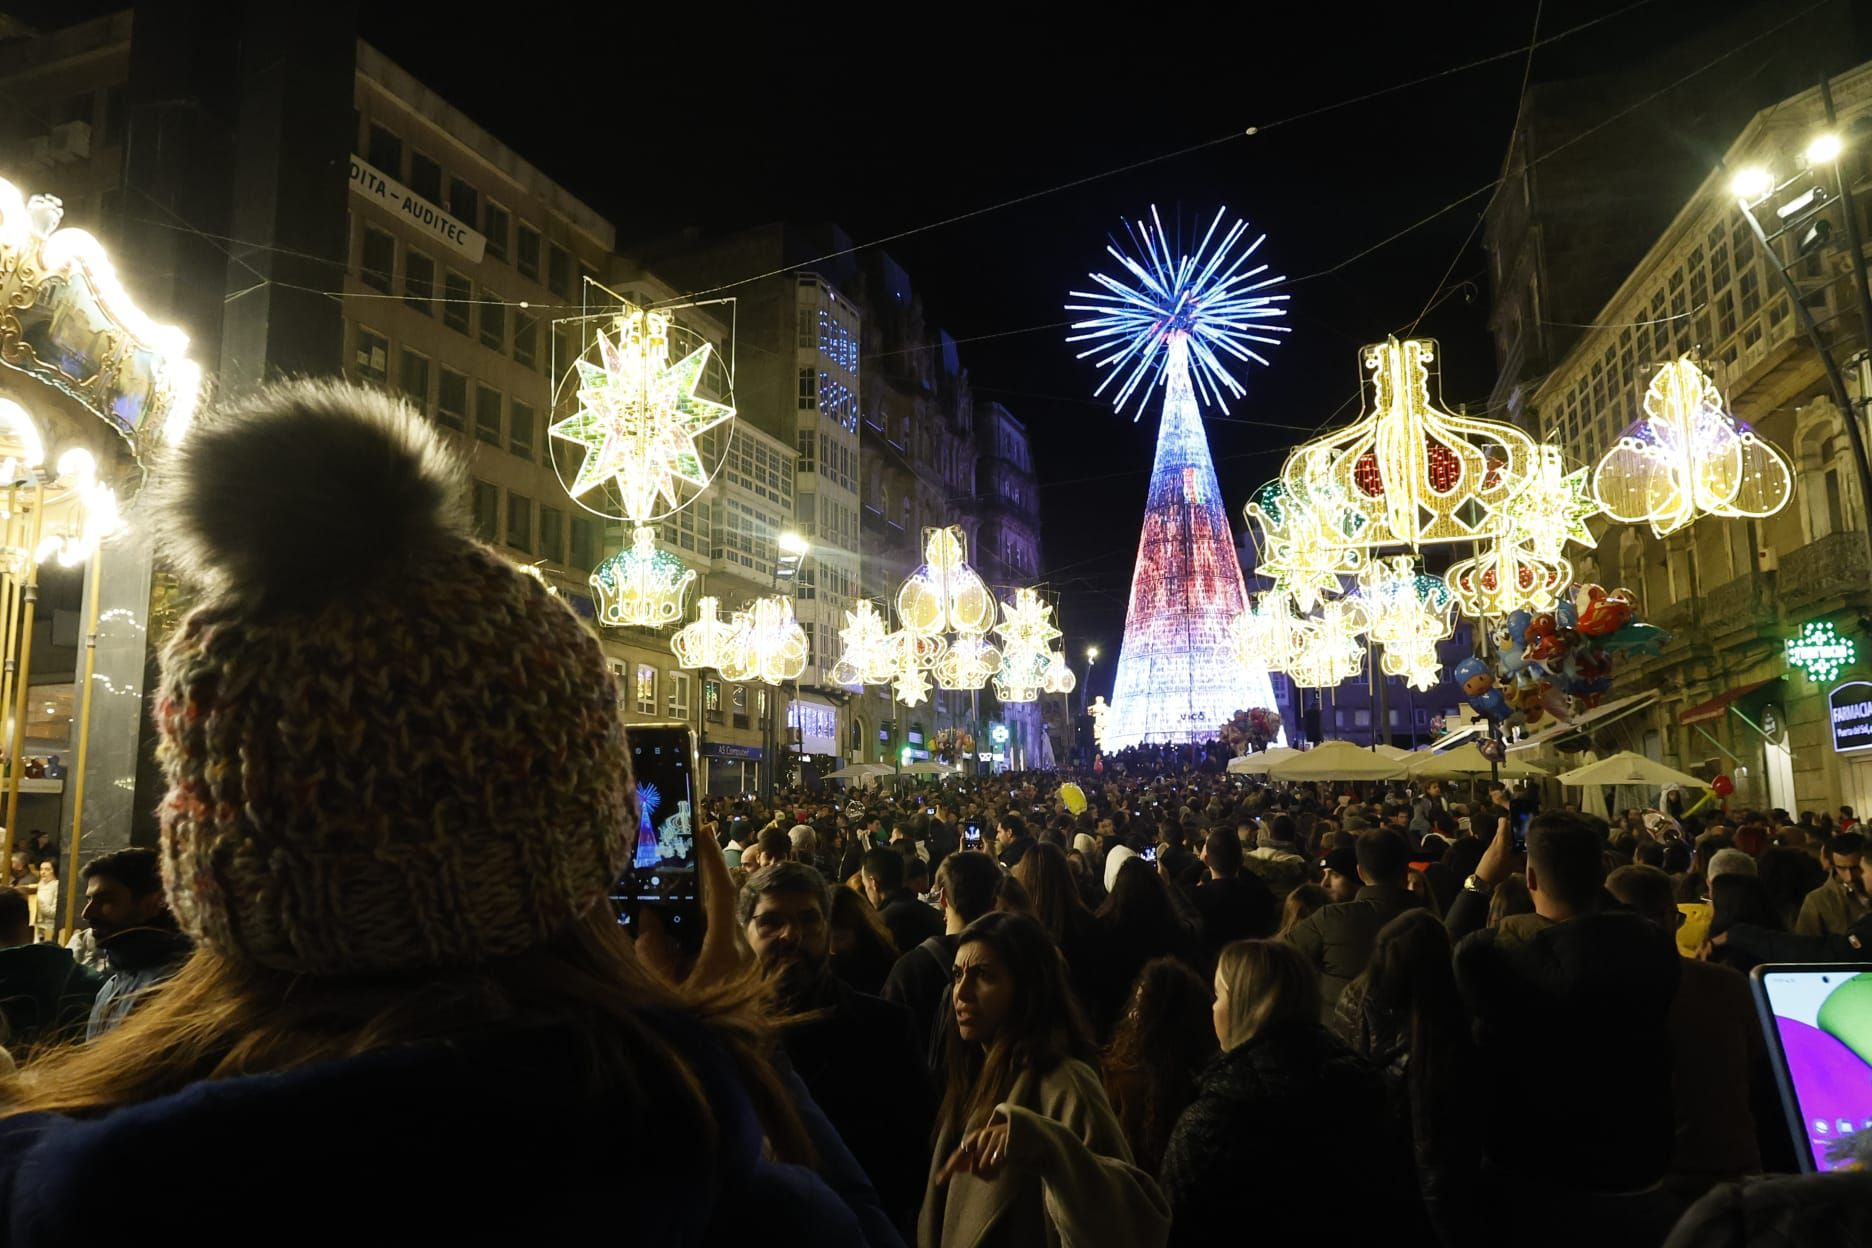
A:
(1250, 730)
(1557, 662)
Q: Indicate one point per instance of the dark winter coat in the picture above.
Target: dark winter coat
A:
(44, 994)
(911, 922)
(1578, 1016)
(1830, 1209)
(494, 1139)
(863, 1067)
(1236, 907)
(1338, 939)
(919, 981)
(139, 958)
(1267, 1117)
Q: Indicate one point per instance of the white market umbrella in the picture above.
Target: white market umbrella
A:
(1627, 767)
(1466, 761)
(1337, 760)
(860, 771)
(929, 768)
(1258, 764)
(1392, 751)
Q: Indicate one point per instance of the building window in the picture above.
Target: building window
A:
(679, 695)
(519, 521)
(808, 390)
(646, 689)
(487, 512)
(488, 415)
(520, 428)
(377, 267)
(1748, 283)
(425, 177)
(386, 151)
(558, 269)
(526, 257)
(452, 399)
(464, 202)
(419, 282)
(372, 359)
(584, 542)
(711, 700)
(552, 533)
(493, 321)
(413, 378)
(457, 301)
(737, 705)
(496, 225)
(526, 340)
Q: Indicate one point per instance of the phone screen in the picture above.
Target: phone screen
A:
(1818, 1021)
(1149, 855)
(971, 834)
(1521, 822)
(662, 870)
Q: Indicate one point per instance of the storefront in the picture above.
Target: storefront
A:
(729, 770)
(1849, 730)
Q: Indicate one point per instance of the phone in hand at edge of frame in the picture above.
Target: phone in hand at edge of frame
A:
(662, 870)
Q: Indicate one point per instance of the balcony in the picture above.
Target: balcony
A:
(1745, 604)
(1832, 568)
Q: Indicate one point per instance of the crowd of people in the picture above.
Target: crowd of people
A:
(1166, 1006)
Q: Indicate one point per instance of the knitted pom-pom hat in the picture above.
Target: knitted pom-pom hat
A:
(386, 748)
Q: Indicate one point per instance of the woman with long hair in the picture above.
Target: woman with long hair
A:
(1283, 1088)
(862, 949)
(1028, 1150)
(1163, 1039)
(399, 796)
(1405, 1015)
(1303, 901)
(1053, 895)
(1138, 922)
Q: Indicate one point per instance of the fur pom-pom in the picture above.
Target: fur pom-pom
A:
(303, 491)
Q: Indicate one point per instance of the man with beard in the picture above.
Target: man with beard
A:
(855, 1052)
(126, 910)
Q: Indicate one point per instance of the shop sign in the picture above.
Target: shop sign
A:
(1820, 651)
(725, 749)
(412, 209)
(1849, 706)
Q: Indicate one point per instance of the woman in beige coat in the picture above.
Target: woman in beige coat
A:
(1028, 1151)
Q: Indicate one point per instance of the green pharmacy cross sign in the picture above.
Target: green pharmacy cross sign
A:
(1819, 651)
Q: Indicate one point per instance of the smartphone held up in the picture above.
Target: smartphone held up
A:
(662, 871)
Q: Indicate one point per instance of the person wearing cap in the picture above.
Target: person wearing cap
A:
(398, 796)
(1339, 873)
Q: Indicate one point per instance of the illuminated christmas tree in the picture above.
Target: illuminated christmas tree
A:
(1177, 323)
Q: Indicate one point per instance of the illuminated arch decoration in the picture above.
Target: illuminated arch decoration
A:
(641, 587)
(1181, 324)
(66, 320)
(1687, 457)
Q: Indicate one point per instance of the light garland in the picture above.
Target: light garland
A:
(66, 320)
(1687, 457)
(639, 417)
(641, 586)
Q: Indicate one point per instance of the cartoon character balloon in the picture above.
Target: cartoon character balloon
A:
(1478, 686)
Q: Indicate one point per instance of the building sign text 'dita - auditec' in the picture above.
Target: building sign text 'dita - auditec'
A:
(1850, 708)
(413, 209)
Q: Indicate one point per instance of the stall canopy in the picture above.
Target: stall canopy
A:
(1337, 760)
(1466, 761)
(930, 768)
(1591, 721)
(1719, 705)
(1258, 764)
(858, 771)
(1626, 767)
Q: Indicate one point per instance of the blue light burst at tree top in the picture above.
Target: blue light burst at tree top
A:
(1209, 300)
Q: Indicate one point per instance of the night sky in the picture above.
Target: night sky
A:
(886, 121)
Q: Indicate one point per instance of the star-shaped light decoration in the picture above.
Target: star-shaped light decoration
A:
(639, 417)
(869, 654)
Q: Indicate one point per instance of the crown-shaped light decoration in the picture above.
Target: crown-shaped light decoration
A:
(708, 640)
(1687, 458)
(945, 594)
(639, 417)
(641, 586)
(67, 321)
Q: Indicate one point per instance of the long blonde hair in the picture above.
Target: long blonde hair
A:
(1268, 982)
(219, 1018)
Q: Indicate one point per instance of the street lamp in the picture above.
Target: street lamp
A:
(793, 548)
(1755, 185)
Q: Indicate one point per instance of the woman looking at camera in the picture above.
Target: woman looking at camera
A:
(1028, 1150)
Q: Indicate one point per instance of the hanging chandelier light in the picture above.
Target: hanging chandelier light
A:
(641, 586)
(708, 640)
